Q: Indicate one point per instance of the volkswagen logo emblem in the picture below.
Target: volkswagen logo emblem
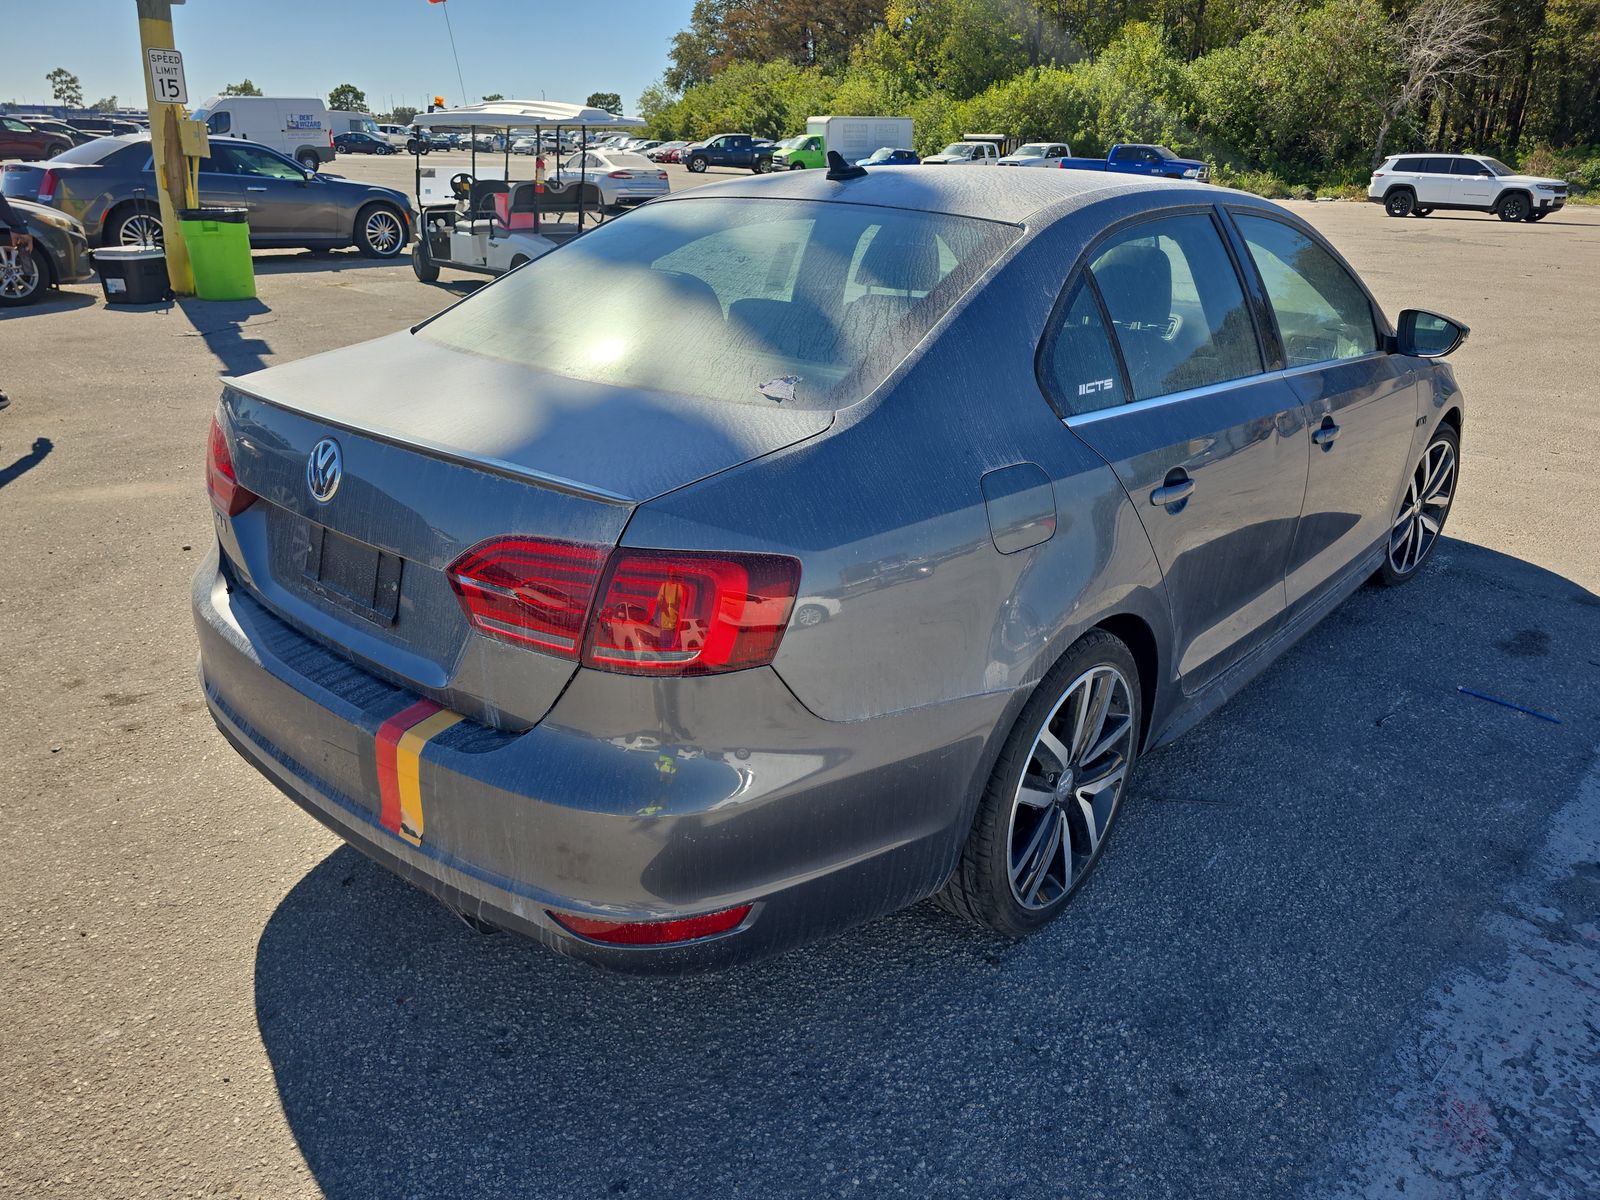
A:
(324, 469)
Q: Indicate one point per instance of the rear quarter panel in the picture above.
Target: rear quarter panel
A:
(886, 513)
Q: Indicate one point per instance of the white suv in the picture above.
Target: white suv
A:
(1413, 185)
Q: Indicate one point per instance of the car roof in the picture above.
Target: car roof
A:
(1014, 198)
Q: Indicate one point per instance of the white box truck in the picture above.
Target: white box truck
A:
(301, 127)
(853, 137)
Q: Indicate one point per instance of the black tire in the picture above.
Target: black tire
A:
(1393, 572)
(1422, 212)
(422, 264)
(797, 166)
(763, 165)
(308, 159)
(1536, 217)
(112, 234)
(521, 260)
(982, 889)
(696, 164)
(24, 281)
(1514, 207)
(1400, 202)
(380, 231)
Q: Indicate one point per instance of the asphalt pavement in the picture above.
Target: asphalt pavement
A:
(1344, 942)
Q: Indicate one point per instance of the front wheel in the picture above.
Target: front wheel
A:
(1049, 806)
(1536, 217)
(1399, 203)
(422, 264)
(1423, 509)
(380, 231)
(697, 165)
(23, 276)
(1421, 212)
(1515, 208)
(797, 166)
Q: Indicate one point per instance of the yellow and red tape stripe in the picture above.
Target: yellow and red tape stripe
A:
(400, 743)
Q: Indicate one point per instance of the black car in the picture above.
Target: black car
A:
(357, 142)
(59, 254)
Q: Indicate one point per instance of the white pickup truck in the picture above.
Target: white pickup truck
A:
(967, 154)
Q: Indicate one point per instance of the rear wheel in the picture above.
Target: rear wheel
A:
(1400, 202)
(308, 159)
(1514, 207)
(697, 164)
(1423, 509)
(23, 276)
(134, 227)
(380, 231)
(1055, 791)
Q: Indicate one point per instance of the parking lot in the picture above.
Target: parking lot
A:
(1344, 942)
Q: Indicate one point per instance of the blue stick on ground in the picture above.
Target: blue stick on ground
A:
(1532, 712)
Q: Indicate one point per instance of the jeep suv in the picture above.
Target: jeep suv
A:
(1413, 185)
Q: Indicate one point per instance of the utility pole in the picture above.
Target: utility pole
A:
(155, 33)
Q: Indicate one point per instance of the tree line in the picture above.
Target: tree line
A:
(1312, 93)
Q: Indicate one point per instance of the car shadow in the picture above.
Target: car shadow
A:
(1285, 882)
(54, 301)
(228, 329)
(305, 262)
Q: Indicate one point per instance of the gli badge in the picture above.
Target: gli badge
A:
(324, 469)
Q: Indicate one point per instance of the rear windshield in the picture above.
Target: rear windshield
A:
(629, 162)
(756, 301)
(91, 152)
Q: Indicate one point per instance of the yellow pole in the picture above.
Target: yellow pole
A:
(155, 32)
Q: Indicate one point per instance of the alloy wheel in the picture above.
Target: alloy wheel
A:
(1070, 788)
(19, 273)
(1422, 513)
(383, 232)
(141, 229)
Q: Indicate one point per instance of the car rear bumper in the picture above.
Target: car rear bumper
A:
(632, 800)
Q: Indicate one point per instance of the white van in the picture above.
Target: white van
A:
(346, 121)
(301, 127)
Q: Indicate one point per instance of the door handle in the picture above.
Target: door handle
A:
(1177, 488)
(1325, 435)
(255, 189)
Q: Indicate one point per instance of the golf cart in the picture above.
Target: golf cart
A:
(480, 220)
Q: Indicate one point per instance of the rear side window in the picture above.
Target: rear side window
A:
(1080, 364)
(1176, 306)
(1411, 166)
(1436, 166)
(1322, 313)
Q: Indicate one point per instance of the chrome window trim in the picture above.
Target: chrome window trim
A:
(1212, 388)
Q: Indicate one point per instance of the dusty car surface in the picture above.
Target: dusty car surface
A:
(699, 590)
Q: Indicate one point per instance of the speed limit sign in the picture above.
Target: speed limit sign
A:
(166, 77)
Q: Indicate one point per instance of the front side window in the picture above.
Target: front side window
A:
(1470, 167)
(220, 122)
(1322, 313)
(1176, 306)
(763, 302)
(1080, 365)
(251, 160)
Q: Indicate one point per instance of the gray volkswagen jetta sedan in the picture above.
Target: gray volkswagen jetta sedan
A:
(1051, 465)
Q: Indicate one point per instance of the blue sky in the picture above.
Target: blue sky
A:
(392, 49)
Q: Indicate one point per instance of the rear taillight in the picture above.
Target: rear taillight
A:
(1377, 174)
(531, 591)
(47, 187)
(661, 175)
(660, 612)
(666, 612)
(221, 482)
(620, 175)
(653, 933)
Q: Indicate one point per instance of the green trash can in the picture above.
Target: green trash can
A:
(219, 251)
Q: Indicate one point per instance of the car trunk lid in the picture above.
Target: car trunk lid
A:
(441, 450)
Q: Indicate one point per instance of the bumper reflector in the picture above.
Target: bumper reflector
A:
(653, 933)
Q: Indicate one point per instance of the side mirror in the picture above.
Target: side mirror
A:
(1428, 335)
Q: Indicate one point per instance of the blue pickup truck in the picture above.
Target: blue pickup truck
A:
(1142, 160)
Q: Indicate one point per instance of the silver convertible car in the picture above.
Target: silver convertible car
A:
(1053, 464)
